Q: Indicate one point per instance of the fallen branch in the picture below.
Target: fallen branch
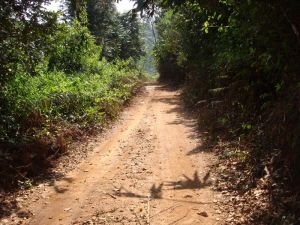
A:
(114, 197)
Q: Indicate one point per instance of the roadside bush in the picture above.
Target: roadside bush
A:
(71, 90)
(82, 98)
(55, 84)
(71, 83)
(74, 50)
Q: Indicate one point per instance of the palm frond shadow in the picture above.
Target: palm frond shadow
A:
(190, 183)
(156, 192)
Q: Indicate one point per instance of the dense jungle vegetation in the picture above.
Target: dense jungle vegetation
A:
(61, 73)
(238, 63)
(243, 57)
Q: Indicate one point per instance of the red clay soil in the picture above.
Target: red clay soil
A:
(144, 172)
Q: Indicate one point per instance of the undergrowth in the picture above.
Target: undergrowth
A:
(252, 174)
(71, 91)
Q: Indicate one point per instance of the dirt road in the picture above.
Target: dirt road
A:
(148, 170)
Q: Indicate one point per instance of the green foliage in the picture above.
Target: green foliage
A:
(59, 75)
(147, 61)
(242, 55)
(25, 28)
(74, 50)
(131, 42)
(58, 79)
(240, 69)
(119, 35)
(167, 48)
(85, 99)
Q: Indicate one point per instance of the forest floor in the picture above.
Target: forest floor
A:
(147, 169)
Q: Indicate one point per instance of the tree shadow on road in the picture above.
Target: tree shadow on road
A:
(60, 189)
(167, 87)
(171, 100)
(205, 147)
(184, 115)
(156, 192)
(190, 183)
(8, 206)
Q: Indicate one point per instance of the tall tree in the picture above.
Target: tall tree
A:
(119, 35)
(24, 28)
(103, 22)
(132, 45)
